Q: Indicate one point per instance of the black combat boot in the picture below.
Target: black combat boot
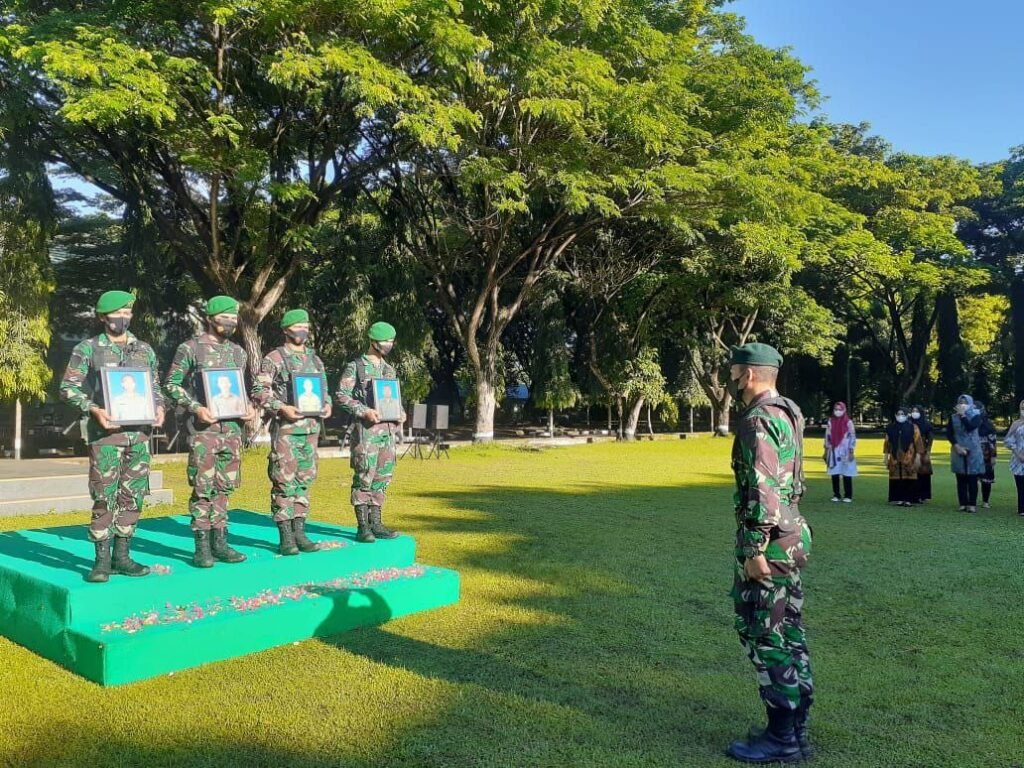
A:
(302, 541)
(287, 546)
(101, 570)
(379, 529)
(221, 550)
(123, 563)
(364, 534)
(799, 728)
(777, 744)
(202, 557)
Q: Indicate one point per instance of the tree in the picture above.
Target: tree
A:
(235, 127)
(26, 218)
(552, 385)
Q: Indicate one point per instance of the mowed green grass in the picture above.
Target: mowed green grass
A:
(595, 629)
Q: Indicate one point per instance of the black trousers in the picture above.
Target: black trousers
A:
(1019, 479)
(967, 490)
(847, 487)
(924, 487)
(903, 491)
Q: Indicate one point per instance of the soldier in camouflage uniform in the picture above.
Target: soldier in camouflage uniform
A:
(773, 543)
(373, 441)
(118, 456)
(292, 463)
(215, 447)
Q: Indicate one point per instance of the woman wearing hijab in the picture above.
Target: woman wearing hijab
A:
(966, 459)
(919, 417)
(903, 450)
(1015, 445)
(987, 433)
(840, 441)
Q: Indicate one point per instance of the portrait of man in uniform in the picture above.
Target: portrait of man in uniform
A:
(129, 395)
(387, 399)
(309, 394)
(225, 393)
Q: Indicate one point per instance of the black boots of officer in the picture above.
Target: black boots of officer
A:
(302, 541)
(799, 728)
(101, 569)
(202, 558)
(776, 744)
(221, 550)
(287, 545)
(370, 525)
(122, 562)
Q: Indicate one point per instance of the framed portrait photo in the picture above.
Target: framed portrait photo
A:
(308, 393)
(128, 396)
(225, 393)
(387, 399)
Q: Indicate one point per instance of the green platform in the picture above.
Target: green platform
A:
(180, 616)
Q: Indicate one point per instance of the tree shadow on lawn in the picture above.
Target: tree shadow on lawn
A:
(631, 627)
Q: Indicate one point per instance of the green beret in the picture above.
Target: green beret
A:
(111, 301)
(382, 332)
(220, 305)
(294, 317)
(756, 354)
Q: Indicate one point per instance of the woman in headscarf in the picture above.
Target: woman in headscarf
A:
(966, 459)
(1015, 445)
(840, 441)
(903, 450)
(919, 417)
(987, 434)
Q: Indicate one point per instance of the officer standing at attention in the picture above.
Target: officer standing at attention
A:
(373, 440)
(773, 543)
(292, 463)
(118, 456)
(215, 446)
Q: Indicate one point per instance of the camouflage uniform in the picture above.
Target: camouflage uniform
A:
(215, 455)
(768, 464)
(118, 461)
(292, 464)
(373, 455)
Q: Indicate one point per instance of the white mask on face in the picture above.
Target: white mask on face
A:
(838, 413)
(916, 415)
(901, 418)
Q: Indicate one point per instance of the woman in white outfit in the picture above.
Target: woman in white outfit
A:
(840, 442)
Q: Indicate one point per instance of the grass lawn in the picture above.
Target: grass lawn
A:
(595, 629)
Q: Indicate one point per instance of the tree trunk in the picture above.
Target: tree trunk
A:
(720, 414)
(17, 429)
(618, 432)
(691, 419)
(252, 343)
(650, 425)
(609, 417)
(551, 422)
(486, 402)
(634, 418)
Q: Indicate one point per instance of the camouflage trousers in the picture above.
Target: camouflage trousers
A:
(291, 467)
(769, 622)
(373, 465)
(118, 484)
(214, 471)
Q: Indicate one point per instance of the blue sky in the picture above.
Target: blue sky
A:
(931, 76)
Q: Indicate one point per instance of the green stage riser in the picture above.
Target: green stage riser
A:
(117, 658)
(46, 606)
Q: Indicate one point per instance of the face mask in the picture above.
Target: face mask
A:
(735, 389)
(838, 413)
(298, 337)
(384, 347)
(901, 418)
(116, 326)
(226, 328)
(961, 407)
(915, 415)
